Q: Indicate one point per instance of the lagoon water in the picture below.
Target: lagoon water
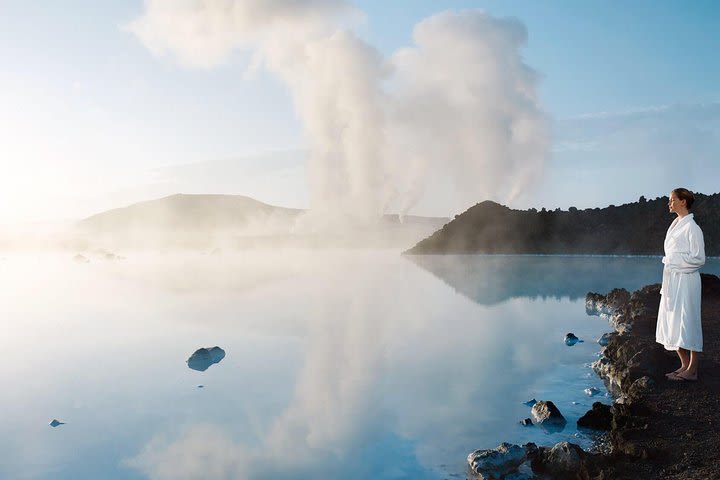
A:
(354, 365)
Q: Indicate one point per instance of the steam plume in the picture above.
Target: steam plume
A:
(459, 105)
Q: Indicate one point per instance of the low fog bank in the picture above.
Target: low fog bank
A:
(214, 223)
(382, 236)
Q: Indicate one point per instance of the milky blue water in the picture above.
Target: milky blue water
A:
(351, 365)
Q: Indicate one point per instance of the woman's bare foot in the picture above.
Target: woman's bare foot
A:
(684, 376)
(679, 370)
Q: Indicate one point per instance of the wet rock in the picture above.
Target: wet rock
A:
(613, 307)
(597, 304)
(56, 423)
(639, 388)
(563, 461)
(603, 341)
(616, 298)
(623, 328)
(598, 418)
(497, 462)
(203, 358)
(530, 403)
(594, 303)
(571, 339)
(547, 415)
(526, 422)
(628, 358)
(591, 392)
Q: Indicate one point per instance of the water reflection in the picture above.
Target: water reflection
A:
(383, 364)
(363, 367)
(493, 279)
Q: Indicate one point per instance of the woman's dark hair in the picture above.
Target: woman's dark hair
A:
(685, 194)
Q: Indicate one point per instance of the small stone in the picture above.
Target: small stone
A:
(56, 423)
(526, 423)
(564, 460)
(530, 403)
(571, 339)
(203, 358)
(604, 340)
(497, 462)
(547, 415)
(591, 392)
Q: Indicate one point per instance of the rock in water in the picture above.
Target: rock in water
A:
(591, 392)
(603, 341)
(56, 423)
(527, 422)
(203, 358)
(497, 462)
(571, 339)
(530, 403)
(564, 460)
(547, 415)
(599, 418)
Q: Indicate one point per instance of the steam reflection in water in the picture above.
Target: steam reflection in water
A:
(352, 365)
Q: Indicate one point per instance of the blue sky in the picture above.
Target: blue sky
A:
(91, 119)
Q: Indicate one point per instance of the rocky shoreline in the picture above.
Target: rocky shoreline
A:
(657, 428)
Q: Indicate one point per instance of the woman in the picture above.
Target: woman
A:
(678, 324)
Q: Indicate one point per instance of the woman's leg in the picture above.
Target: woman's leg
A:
(684, 362)
(691, 372)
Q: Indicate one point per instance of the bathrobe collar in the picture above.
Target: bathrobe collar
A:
(679, 221)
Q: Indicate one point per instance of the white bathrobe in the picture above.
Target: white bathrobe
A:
(678, 323)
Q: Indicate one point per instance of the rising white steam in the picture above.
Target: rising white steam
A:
(459, 104)
(465, 105)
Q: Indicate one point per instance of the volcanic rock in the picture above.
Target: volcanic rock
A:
(598, 418)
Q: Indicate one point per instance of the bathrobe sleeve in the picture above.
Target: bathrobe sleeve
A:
(692, 260)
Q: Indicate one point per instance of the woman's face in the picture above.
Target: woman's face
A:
(675, 204)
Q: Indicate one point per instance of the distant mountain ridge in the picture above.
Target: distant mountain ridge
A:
(631, 229)
(185, 212)
(201, 213)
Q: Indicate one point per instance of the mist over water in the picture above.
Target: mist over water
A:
(338, 364)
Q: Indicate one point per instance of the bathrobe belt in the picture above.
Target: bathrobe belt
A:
(667, 292)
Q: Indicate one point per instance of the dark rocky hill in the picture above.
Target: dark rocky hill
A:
(632, 229)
